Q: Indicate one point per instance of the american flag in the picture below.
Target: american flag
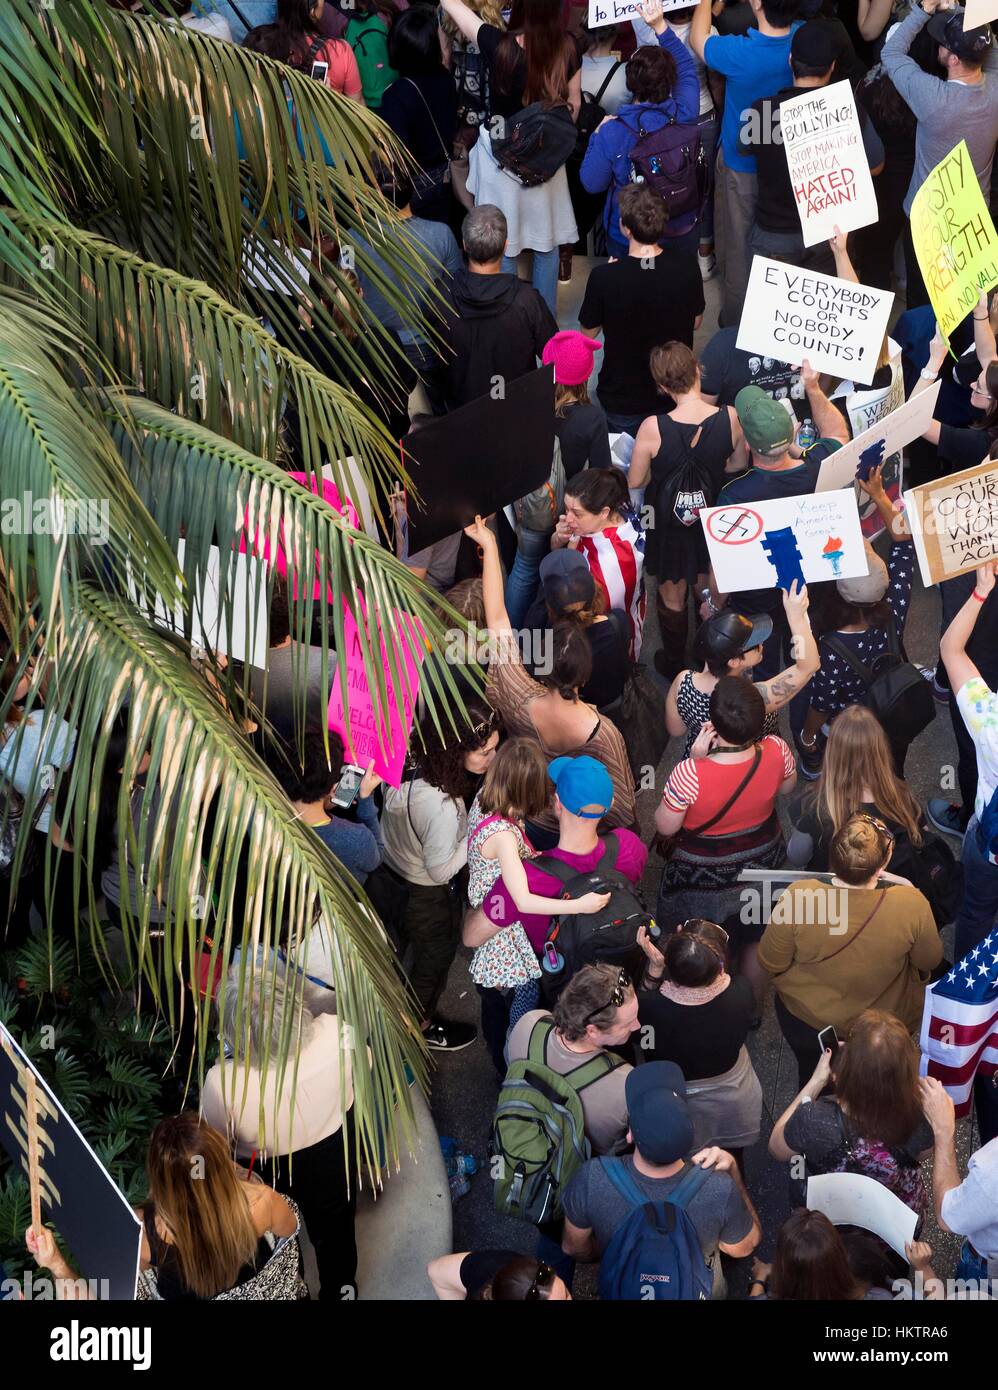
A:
(960, 1023)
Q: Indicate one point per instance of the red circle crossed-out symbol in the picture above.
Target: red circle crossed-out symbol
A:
(734, 526)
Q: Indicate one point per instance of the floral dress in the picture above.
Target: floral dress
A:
(507, 959)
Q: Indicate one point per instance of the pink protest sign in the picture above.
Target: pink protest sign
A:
(261, 542)
(369, 738)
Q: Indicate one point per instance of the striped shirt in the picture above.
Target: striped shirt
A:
(616, 557)
(701, 787)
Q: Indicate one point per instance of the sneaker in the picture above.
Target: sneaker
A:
(707, 264)
(565, 267)
(444, 1036)
(929, 673)
(809, 763)
(946, 816)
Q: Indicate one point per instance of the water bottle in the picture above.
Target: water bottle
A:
(807, 434)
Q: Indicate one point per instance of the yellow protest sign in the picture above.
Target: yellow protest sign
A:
(954, 238)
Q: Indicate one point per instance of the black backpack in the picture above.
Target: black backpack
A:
(689, 488)
(605, 938)
(673, 162)
(896, 691)
(591, 113)
(536, 143)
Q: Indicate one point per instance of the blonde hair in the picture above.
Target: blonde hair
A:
(516, 785)
(488, 11)
(564, 396)
(467, 597)
(858, 758)
(197, 1196)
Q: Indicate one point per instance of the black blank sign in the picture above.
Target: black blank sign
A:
(480, 457)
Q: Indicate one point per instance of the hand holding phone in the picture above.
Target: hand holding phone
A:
(345, 792)
(828, 1040)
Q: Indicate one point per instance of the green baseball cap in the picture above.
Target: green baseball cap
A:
(766, 423)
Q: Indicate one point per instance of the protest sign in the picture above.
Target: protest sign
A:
(866, 409)
(954, 238)
(792, 314)
(807, 538)
(474, 460)
(893, 432)
(978, 12)
(67, 1179)
(229, 614)
(954, 522)
(853, 1199)
(371, 737)
(829, 172)
(606, 12)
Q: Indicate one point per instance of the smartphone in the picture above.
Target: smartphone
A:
(320, 71)
(348, 786)
(828, 1040)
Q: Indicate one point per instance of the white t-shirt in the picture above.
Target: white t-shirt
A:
(594, 74)
(971, 1209)
(979, 707)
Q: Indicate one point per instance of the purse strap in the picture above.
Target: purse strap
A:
(606, 81)
(430, 114)
(734, 795)
(876, 908)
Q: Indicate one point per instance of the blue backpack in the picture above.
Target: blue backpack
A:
(654, 1254)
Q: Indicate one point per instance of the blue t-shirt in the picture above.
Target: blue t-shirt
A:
(436, 246)
(755, 65)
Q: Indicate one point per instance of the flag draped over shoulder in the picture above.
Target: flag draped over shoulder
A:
(960, 1023)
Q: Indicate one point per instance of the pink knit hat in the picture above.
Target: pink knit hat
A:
(572, 354)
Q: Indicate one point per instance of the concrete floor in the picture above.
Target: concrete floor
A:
(465, 1085)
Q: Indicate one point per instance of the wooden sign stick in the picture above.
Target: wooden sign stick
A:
(34, 1160)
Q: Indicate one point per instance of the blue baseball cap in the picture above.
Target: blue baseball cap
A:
(657, 1113)
(582, 782)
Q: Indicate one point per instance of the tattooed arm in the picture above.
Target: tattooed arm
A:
(781, 689)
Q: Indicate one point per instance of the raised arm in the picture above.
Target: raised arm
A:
(872, 18)
(844, 268)
(700, 27)
(496, 617)
(778, 691)
(686, 92)
(938, 349)
(984, 333)
(953, 643)
(828, 419)
(895, 523)
(464, 17)
(916, 87)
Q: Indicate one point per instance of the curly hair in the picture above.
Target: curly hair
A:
(440, 759)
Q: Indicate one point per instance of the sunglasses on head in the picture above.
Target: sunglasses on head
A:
(617, 996)
(543, 1279)
(485, 726)
(877, 824)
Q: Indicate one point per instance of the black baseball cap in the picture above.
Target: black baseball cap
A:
(729, 634)
(814, 46)
(567, 580)
(946, 27)
(657, 1113)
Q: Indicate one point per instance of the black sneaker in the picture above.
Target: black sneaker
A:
(946, 816)
(444, 1036)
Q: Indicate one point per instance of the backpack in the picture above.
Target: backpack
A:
(471, 77)
(895, 1169)
(536, 143)
(605, 938)
(654, 1254)
(672, 161)
(591, 113)
(368, 38)
(539, 510)
(687, 489)
(538, 1131)
(934, 870)
(896, 691)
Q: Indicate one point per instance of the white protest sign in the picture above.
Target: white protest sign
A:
(978, 12)
(881, 440)
(829, 172)
(852, 1199)
(760, 545)
(866, 409)
(605, 12)
(792, 314)
(248, 639)
(954, 522)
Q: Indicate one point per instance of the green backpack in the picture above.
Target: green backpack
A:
(368, 38)
(538, 1132)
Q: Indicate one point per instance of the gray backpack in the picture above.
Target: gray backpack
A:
(540, 509)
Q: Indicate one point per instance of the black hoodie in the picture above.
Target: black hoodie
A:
(498, 326)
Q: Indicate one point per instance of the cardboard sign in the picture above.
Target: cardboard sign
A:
(758, 545)
(954, 522)
(371, 738)
(793, 314)
(881, 440)
(978, 12)
(829, 172)
(66, 1179)
(852, 1199)
(606, 12)
(954, 238)
(210, 622)
(476, 459)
